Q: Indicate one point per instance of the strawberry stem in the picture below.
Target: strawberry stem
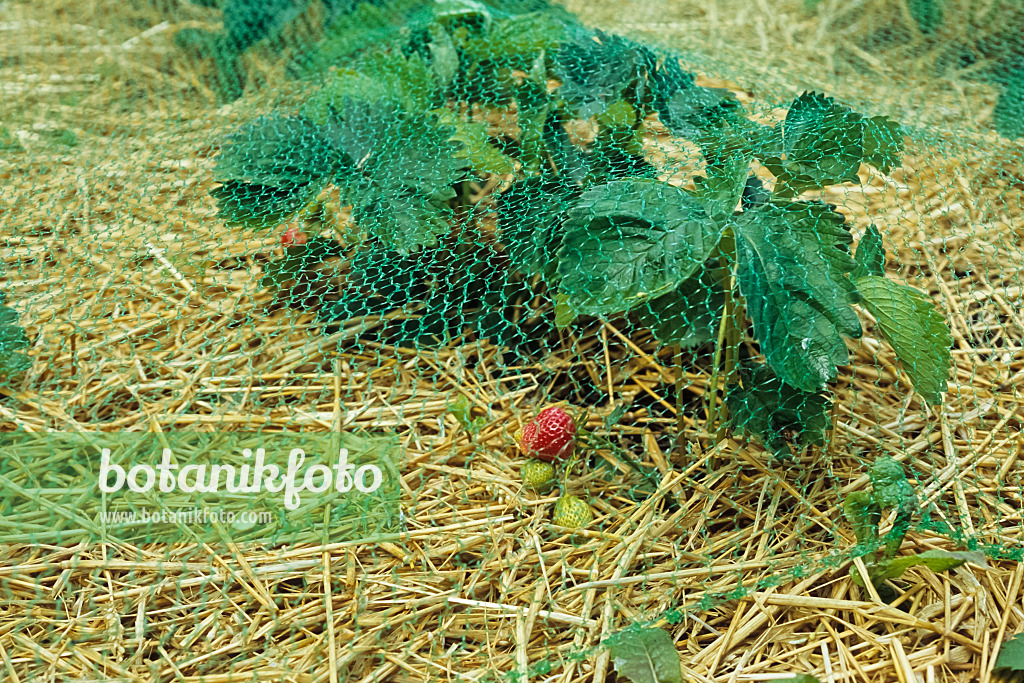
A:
(595, 442)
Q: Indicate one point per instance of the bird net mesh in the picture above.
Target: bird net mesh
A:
(473, 340)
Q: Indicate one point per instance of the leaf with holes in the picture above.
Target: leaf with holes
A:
(645, 655)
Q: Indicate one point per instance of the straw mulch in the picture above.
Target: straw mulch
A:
(148, 317)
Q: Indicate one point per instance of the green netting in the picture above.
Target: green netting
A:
(470, 340)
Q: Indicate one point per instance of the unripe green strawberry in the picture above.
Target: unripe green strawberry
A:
(537, 475)
(572, 512)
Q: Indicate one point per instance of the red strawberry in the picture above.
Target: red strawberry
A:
(550, 436)
(293, 236)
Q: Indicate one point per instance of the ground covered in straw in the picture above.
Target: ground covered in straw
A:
(148, 317)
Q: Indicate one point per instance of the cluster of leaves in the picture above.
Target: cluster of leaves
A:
(247, 22)
(863, 510)
(588, 222)
(13, 341)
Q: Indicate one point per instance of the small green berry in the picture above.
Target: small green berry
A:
(572, 512)
(537, 475)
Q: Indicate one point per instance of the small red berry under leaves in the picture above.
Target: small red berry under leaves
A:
(550, 436)
(293, 237)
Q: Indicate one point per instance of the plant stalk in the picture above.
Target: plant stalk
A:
(677, 355)
(729, 337)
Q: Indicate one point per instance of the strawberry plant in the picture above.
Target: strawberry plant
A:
(863, 509)
(460, 226)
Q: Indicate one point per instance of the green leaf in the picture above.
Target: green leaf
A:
(645, 655)
(864, 515)
(688, 316)
(397, 149)
(405, 222)
(793, 264)
(570, 161)
(618, 114)
(368, 25)
(476, 149)
(695, 110)
(889, 484)
(804, 678)
(271, 168)
(882, 143)
(261, 206)
(564, 315)
(613, 418)
(530, 216)
(927, 14)
(400, 172)
(668, 79)
(532, 114)
(1008, 114)
(452, 12)
(916, 330)
(754, 194)
(822, 143)
(277, 151)
(13, 340)
(870, 254)
(630, 241)
(444, 57)
(936, 560)
(246, 22)
(618, 155)
(518, 38)
(890, 489)
(1011, 654)
(462, 411)
(776, 412)
(600, 69)
(408, 82)
(722, 186)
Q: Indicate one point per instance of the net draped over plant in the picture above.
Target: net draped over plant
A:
(770, 279)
